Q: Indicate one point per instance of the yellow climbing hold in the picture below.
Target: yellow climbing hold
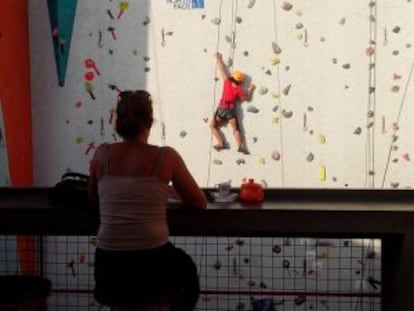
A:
(275, 61)
(322, 174)
(275, 120)
(275, 95)
(321, 139)
(79, 140)
(262, 161)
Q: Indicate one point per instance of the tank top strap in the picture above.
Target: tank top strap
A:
(158, 162)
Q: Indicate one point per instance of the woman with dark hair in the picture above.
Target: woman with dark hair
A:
(129, 183)
(226, 110)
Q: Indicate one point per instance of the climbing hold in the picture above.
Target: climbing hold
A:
(252, 109)
(299, 26)
(79, 140)
(321, 139)
(229, 62)
(406, 157)
(275, 120)
(342, 21)
(228, 39)
(287, 6)
(370, 114)
(287, 114)
(216, 21)
(370, 124)
(146, 58)
(286, 264)
(276, 155)
(275, 108)
(262, 90)
(299, 300)
(395, 52)
(277, 249)
(371, 89)
(396, 76)
(246, 53)
(395, 88)
(346, 66)
(254, 140)
(370, 51)
(286, 90)
(251, 4)
(396, 29)
(217, 162)
(395, 184)
(276, 48)
(262, 161)
(358, 131)
(240, 161)
(310, 108)
(275, 61)
(310, 157)
(146, 21)
(322, 173)
(275, 95)
(238, 20)
(268, 72)
(183, 134)
(217, 265)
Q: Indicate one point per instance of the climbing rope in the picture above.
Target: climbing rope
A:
(159, 101)
(214, 97)
(371, 105)
(282, 155)
(397, 122)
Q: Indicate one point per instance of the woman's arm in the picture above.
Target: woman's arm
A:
(185, 185)
(249, 92)
(95, 171)
(220, 65)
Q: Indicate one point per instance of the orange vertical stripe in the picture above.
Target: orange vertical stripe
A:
(15, 90)
(15, 97)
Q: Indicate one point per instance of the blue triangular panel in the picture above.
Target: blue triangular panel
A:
(62, 16)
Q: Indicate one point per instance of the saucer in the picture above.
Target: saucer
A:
(224, 199)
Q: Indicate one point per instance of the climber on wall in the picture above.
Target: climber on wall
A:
(226, 110)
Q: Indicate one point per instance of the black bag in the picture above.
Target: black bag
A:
(71, 191)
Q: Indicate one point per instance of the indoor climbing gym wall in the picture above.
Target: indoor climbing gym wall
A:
(330, 110)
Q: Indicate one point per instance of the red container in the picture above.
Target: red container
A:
(251, 191)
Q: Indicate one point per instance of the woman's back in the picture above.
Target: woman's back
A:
(132, 198)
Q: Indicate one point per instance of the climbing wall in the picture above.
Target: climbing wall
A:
(330, 109)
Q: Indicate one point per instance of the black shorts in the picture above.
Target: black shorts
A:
(225, 114)
(127, 278)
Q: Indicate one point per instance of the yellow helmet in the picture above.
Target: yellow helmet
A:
(238, 76)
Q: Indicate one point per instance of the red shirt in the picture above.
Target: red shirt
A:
(231, 93)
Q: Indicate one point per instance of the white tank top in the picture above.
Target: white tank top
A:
(132, 210)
